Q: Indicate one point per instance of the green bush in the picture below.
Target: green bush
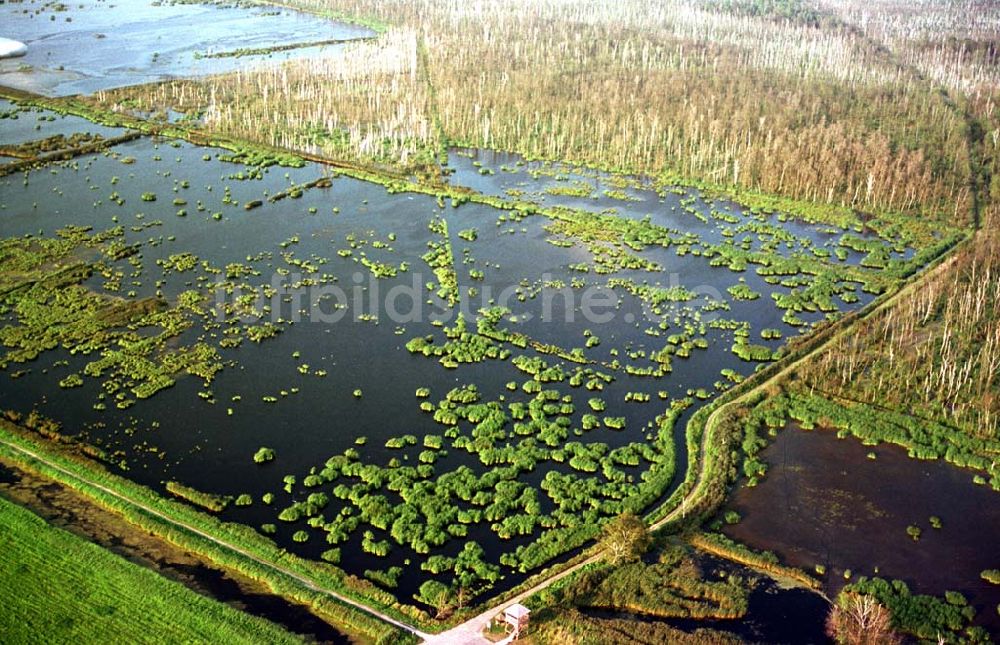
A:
(263, 455)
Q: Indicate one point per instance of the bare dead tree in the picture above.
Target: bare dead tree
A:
(857, 619)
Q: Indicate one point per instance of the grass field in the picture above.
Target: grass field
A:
(59, 588)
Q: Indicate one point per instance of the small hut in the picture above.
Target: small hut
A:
(516, 618)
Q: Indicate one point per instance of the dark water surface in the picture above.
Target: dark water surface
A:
(775, 616)
(824, 501)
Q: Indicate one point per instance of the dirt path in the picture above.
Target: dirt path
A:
(470, 632)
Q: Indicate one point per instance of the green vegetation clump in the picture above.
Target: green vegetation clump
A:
(991, 576)
(73, 380)
(670, 588)
(750, 352)
(742, 292)
(926, 617)
(722, 546)
(263, 455)
(209, 501)
(558, 624)
(442, 262)
(388, 578)
(614, 423)
(625, 539)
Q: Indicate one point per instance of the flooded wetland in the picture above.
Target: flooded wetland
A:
(846, 507)
(370, 339)
(98, 45)
(456, 384)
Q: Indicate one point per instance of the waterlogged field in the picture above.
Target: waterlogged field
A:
(435, 393)
(26, 125)
(83, 47)
(845, 509)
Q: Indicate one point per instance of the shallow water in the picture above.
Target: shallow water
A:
(775, 616)
(33, 124)
(97, 45)
(176, 435)
(824, 501)
(508, 174)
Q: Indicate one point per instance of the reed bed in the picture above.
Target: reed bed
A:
(365, 102)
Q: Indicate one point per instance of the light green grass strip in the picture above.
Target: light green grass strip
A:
(56, 587)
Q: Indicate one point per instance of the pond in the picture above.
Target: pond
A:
(837, 503)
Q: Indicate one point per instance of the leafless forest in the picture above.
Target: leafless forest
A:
(884, 106)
